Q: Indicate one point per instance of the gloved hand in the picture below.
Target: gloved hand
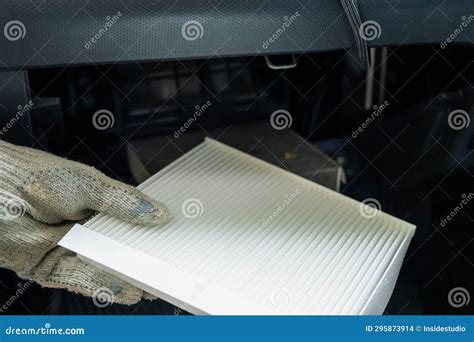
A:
(41, 196)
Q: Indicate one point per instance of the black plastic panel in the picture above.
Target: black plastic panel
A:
(59, 32)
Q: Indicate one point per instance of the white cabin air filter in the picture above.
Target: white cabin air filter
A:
(247, 237)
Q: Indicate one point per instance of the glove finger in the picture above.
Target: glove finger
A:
(70, 193)
(25, 242)
(57, 194)
(126, 202)
(63, 269)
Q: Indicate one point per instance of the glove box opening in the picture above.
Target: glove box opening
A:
(388, 135)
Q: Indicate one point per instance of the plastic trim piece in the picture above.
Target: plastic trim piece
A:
(72, 32)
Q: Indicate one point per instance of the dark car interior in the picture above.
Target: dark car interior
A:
(412, 156)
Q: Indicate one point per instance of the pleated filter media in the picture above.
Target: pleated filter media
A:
(247, 237)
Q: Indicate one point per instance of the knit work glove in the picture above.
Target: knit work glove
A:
(41, 196)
